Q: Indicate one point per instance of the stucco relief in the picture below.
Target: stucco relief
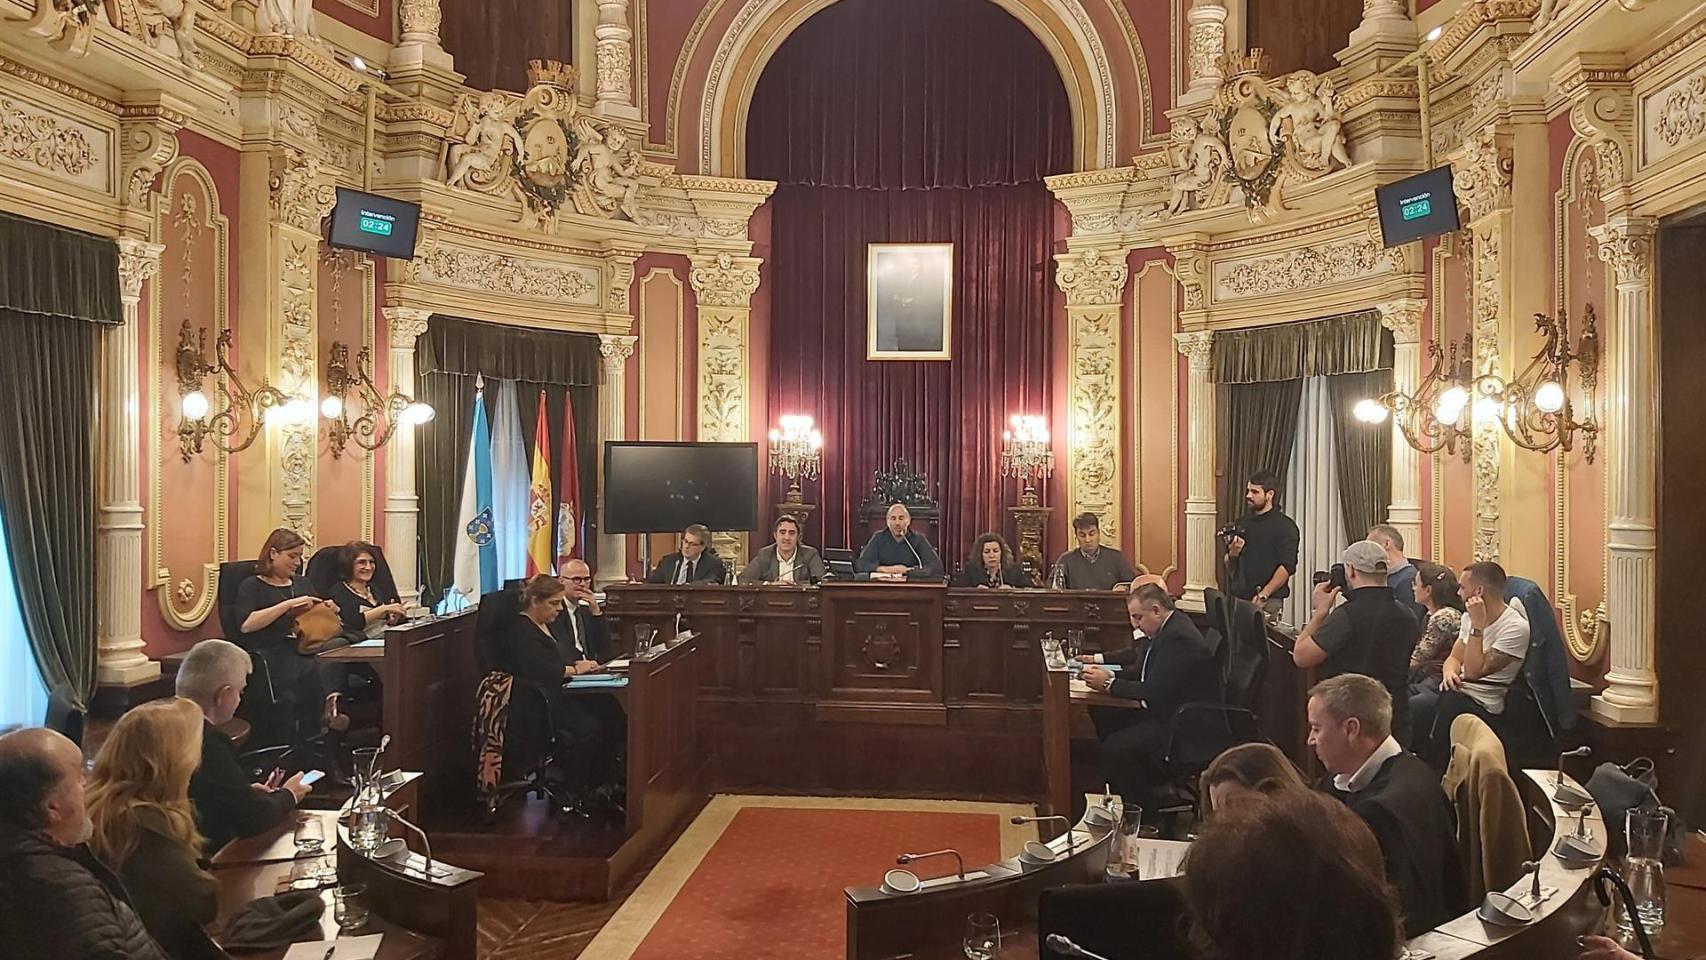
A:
(1306, 268)
(511, 276)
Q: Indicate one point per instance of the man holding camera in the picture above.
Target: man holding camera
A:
(1368, 634)
(1261, 549)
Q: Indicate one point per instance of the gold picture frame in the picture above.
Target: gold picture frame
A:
(902, 284)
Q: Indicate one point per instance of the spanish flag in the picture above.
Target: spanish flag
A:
(539, 499)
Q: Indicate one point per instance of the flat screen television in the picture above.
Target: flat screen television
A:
(374, 224)
(658, 487)
(1417, 207)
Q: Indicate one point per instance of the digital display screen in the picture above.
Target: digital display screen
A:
(662, 487)
(1417, 207)
(374, 224)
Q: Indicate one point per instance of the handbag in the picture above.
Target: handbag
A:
(270, 923)
(317, 629)
(1616, 790)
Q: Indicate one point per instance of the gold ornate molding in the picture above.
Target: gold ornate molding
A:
(1481, 177)
(559, 284)
(724, 280)
(1092, 276)
(43, 140)
(1318, 265)
(1403, 317)
(138, 263)
(1626, 244)
(618, 280)
(1093, 409)
(1486, 312)
(297, 295)
(147, 144)
(300, 196)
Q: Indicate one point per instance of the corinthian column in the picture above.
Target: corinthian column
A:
(1631, 469)
(615, 58)
(1404, 318)
(1200, 553)
(614, 350)
(1207, 26)
(724, 284)
(402, 505)
(1094, 282)
(118, 520)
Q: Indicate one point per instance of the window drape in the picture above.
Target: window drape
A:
(1313, 492)
(1364, 450)
(1352, 343)
(56, 272)
(1261, 426)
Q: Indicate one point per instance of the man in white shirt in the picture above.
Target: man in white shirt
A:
(1487, 659)
(787, 560)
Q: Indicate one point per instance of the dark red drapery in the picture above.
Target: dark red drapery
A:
(937, 132)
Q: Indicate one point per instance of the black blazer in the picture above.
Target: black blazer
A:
(226, 807)
(527, 653)
(708, 568)
(1412, 819)
(1169, 670)
(594, 632)
(1012, 575)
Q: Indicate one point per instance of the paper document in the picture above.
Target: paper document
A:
(618, 664)
(1159, 859)
(343, 948)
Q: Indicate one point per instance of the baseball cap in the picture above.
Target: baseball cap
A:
(1365, 556)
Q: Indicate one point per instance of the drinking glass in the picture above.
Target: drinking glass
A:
(1123, 851)
(983, 936)
(310, 835)
(1052, 654)
(1644, 869)
(643, 635)
(349, 906)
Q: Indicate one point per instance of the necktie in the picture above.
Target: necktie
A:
(686, 572)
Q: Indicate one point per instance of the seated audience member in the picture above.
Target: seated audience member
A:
(1092, 566)
(787, 560)
(139, 801)
(360, 607)
(991, 566)
(1487, 658)
(1171, 667)
(1436, 590)
(582, 631)
(268, 604)
(56, 900)
(691, 564)
(1248, 773)
(898, 550)
(1341, 908)
(227, 806)
(1400, 572)
(1350, 720)
(1368, 634)
(529, 651)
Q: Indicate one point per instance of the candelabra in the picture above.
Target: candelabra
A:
(1025, 453)
(796, 452)
(381, 415)
(241, 412)
(1534, 407)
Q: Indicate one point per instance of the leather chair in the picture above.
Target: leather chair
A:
(259, 707)
(1144, 918)
(65, 717)
(1201, 731)
(524, 716)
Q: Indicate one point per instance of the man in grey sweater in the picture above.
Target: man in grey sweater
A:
(1091, 566)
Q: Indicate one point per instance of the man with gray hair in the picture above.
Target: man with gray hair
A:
(227, 805)
(1395, 793)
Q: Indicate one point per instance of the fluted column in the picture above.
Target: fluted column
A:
(1200, 552)
(723, 285)
(402, 504)
(1631, 694)
(614, 350)
(1206, 21)
(615, 56)
(1094, 281)
(118, 519)
(1404, 318)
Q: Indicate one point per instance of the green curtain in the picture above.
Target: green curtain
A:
(441, 448)
(1362, 452)
(500, 352)
(1261, 426)
(1352, 343)
(47, 489)
(56, 272)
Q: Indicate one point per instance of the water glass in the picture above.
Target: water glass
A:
(310, 836)
(349, 907)
(1052, 654)
(643, 635)
(1123, 852)
(983, 936)
(1644, 869)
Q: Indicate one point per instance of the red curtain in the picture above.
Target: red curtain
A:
(939, 131)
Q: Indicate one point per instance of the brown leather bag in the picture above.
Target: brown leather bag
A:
(316, 627)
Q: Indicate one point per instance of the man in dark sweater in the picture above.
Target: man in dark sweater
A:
(1394, 792)
(1262, 561)
(227, 805)
(56, 899)
(1091, 566)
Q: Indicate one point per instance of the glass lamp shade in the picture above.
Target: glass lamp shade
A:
(195, 405)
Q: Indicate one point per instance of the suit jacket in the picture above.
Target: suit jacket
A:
(226, 807)
(1012, 575)
(1492, 828)
(594, 634)
(1169, 670)
(915, 551)
(1408, 813)
(708, 569)
(765, 568)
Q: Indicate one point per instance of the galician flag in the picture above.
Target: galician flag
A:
(569, 509)
(539, 499)
(476, 543)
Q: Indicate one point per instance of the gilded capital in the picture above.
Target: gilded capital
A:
(1092, 277)
(406, 324)
(299, 196)
(615, 349)
(138, 262)
(1198, 346)
(1481, 177)
(1403, 317)
(618, 279)
(725, 280)
(1626, 245)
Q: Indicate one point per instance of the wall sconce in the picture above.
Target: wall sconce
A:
(381, 414)
(1025, 452)
(1534, 407)
(796, 452)
(234, 426)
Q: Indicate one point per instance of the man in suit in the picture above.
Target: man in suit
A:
(582, 634)
(228, 806)
(1350, 728)
(581, 631)
(1172, 666)
(787, 560)
(691, 564)
(897, 550)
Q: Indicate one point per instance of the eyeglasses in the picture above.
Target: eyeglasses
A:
(578, 579)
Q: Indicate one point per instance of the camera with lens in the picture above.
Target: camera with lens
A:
(1233, 529)
(1334, 578)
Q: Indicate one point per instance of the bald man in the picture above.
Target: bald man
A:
(897, 551)
(56, 899)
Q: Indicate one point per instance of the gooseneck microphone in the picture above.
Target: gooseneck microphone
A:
(1016, 821)
(959, 861)
(1066, 948)
(425, 843)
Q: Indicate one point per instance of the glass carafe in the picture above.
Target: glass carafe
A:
(1123, 846)
(368, 819)
(1644, 869)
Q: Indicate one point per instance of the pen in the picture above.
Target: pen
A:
(329, 951)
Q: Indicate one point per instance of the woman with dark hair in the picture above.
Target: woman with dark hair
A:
(1303, 841)
(991, 566)
(1437, 590)
(360, 606)
(268, 605)
(1248, 773)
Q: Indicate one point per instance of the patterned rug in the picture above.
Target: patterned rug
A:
(763, 877)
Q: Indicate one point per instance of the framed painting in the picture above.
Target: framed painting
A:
(909, 293)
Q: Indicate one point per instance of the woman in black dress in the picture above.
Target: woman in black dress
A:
(268, 604)
(991, 566)
(361, 605)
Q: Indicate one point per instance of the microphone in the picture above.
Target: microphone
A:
(1558, 775)
(1070, 845)
(419, 833)
(907, 858)
(1065, 947)
(1530, 866)
(909, 546)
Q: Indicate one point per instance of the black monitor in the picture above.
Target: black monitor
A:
(1417, 207)
(374, 224)
(658, 487)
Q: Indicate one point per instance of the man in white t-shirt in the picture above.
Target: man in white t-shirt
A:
(1486, 660)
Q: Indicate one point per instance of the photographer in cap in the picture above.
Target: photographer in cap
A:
(1261, 547)
(1368, 634)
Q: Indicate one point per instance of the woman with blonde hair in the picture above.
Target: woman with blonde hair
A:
(139, 801)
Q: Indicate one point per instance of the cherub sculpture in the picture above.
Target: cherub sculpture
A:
(1316, 127)
(1198, 158)
(608, 166)
(489, 128)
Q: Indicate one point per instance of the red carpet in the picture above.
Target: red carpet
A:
(771, 885)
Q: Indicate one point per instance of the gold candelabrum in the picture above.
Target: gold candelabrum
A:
(381, 414)
(796, 452)
(237, 422)
(1026, 454)
(1534, 407)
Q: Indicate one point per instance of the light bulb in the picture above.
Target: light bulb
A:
(1549, 397)
(195, 405)
(332, 407)
(1487, 410)
(775, 436)
(1370, 411)
(817, 440)
(417, 413)
(297, 410)
(1434, 34)
(358, 63)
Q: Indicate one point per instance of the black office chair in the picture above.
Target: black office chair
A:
(514, 714)
(1144, 918)
(64, 717)
(268, 745)
(1203, 730)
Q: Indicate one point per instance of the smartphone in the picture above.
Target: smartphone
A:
(312, 777)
